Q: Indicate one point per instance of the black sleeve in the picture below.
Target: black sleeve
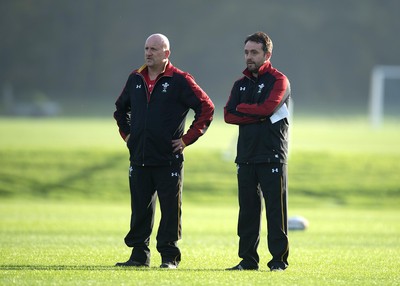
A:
(123, 109)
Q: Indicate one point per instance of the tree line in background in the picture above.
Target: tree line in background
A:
(86, 49)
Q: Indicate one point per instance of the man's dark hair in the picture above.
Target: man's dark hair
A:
(262, 38)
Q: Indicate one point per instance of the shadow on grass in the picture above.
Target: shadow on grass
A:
(94, 268)
(52, 175)
(82, 174)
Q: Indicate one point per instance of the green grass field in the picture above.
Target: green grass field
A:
(64, 206)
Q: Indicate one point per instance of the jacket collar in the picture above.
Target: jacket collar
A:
(168, 70)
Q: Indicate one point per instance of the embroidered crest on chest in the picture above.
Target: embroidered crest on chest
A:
(165, 85)
(260, 87)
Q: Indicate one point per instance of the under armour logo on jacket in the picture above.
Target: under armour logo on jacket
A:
(260, 87)
(275, 170)
(130, 171)
(174, 174)
(165, 85)
(138, 86)
(242, 88)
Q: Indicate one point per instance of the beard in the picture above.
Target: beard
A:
(252, 67)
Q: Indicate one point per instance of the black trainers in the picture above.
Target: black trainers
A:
(239, 267)
(131, 263)
(169, 265)
(276, 268)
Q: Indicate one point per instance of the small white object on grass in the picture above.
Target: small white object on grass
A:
(297, 223)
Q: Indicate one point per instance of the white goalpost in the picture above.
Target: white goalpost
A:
(377, 91)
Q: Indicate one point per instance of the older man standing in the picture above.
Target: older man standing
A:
(151, 113)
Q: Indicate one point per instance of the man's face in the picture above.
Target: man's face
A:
(255, 56)
(154, 53)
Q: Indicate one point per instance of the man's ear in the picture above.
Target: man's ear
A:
(268, 56)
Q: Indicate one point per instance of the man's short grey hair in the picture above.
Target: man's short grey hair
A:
(164, 40)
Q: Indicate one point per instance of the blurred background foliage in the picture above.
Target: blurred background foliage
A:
(78, 54)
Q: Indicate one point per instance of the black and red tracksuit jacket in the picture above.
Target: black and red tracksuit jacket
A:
(154, 120)
(251, 103)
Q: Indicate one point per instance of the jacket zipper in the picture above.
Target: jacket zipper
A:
(148, 97)
(145, 120)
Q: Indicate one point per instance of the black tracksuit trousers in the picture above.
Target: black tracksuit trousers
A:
(146, 183)
(255, 182)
